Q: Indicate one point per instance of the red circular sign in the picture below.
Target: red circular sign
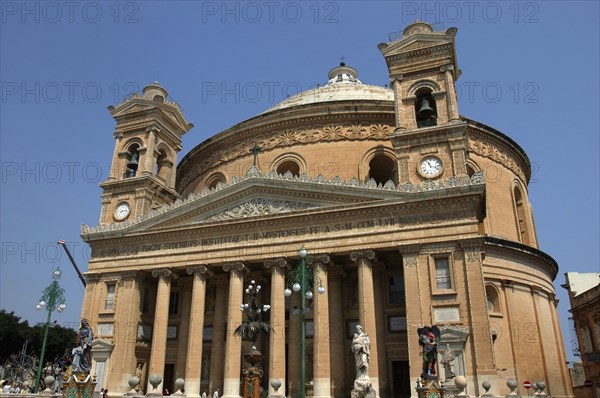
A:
(527, 384)
(587, 383)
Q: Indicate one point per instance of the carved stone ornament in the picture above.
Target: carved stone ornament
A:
(410, 261)
(164, 273)
(489, 150)
(200, 270)
(323, 259)
(277, 262)
(235, 266)
(259, 207)
(362, 254)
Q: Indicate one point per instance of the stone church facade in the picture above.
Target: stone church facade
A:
(412, 215)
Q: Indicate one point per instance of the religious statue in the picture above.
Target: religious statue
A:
(82, 361)
(429, 338)
(449, 357)
(361, 345)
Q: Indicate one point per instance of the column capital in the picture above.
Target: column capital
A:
(367, 254)
(447, 68)
(274, 263)
(234, 266)
(200, 270)
(165, 273)
(319, 259)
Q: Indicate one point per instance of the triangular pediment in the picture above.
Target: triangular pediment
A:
(255, 199)
(416, 42)
(259, 197)
(138, 104)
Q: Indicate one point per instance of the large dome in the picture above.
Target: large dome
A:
(343, 84)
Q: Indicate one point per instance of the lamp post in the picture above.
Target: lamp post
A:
(250, 330)
(302, 279)
(52, 299)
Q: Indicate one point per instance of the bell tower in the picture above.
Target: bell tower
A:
(430, 138)
(148, 137)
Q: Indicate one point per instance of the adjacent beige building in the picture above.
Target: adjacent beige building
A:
(584, 296)
(412, 215)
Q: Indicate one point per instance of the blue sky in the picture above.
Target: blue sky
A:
(530, 70)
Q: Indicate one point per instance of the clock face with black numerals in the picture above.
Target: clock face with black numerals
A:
(122, 211)
(430, 167)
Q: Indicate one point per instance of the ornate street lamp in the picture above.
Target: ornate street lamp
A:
(52, 299)
(250, 330)
(302, 279)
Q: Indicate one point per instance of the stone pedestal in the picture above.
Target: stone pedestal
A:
(79, 386)
(363, 389)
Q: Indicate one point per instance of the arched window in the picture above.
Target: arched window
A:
(522, 227)
(289, 165)
(382, 169)
(133, 161)
(492, 299)
(470, 170)
(425, 108)
(214, 179)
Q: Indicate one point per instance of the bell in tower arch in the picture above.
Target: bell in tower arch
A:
(426, 114)
(133, 163)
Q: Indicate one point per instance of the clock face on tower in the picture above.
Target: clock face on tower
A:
(122, 211)
(430, 167)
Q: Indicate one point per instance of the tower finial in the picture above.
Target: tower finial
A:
(342, 63)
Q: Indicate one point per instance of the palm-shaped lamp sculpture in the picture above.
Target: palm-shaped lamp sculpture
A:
(253, 326)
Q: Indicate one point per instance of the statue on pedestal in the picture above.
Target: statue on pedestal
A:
(429, 338)
(361, 346)
(82, 358)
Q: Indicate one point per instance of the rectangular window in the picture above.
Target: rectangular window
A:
(443, 280)
(109, 304)
(396, 290)
(174, 303)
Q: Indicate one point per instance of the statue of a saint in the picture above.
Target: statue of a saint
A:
(82, 361)
(429, 338)
(361, 346)
(449, 357)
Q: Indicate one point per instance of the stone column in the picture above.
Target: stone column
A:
(149, 165)
(217, 357)
(161, 322)
(193, 368)
(277, 321)
(321, 359)
(414, 309)
(127, 317)
(452, 105)
(233, 345)
(397, 86)
(337, 331)
(483, 361)
(366, 308)
(294, 347)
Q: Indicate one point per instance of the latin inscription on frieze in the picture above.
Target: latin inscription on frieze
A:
(393, 223)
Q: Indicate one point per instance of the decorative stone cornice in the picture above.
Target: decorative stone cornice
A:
(408, 188)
